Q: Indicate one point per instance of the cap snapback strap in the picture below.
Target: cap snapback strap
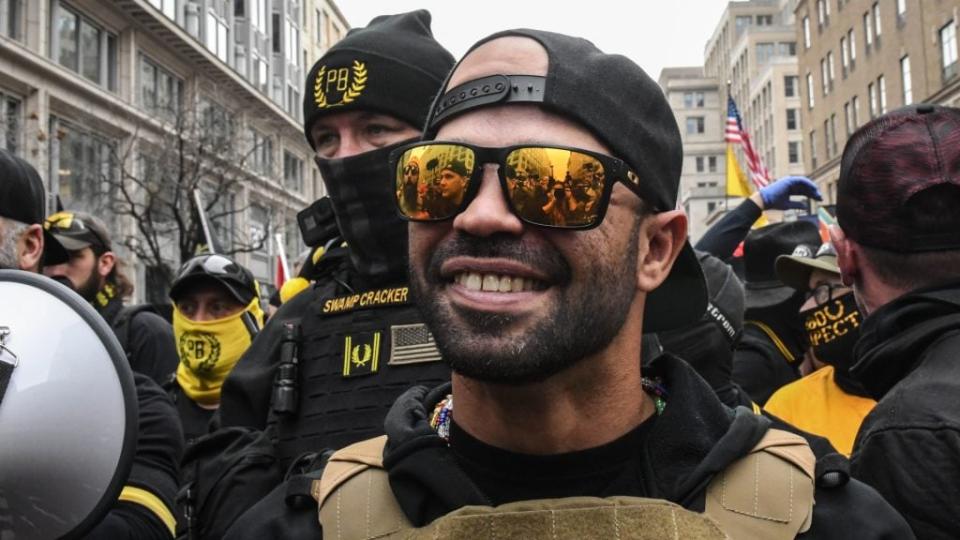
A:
(488, 91)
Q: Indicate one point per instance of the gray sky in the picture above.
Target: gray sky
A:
(654, 33)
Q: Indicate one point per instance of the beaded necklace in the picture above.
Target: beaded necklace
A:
(443, 413)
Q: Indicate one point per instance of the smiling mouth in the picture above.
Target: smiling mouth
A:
(503, 283)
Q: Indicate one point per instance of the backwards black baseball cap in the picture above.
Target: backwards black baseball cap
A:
(233, 276)
(624, 108)
(22, 199)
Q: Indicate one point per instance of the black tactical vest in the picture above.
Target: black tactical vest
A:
(358, 351)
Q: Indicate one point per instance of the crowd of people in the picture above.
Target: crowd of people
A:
(611, 380)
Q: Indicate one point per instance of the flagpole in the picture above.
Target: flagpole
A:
(201, 213)
(726, 192)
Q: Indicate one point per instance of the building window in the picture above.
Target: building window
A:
(216, 124)
(764, 20)
(790, 85)
(10, 124)
(792, 119)
(855, 106)
(712, 164)
(293, 101)
(258, 15)
(847, 118)
(787, 48)
(217, 35)
(877, 29)
(833, 134)
(844, 57)
(948, 50)
(693, 99)
(11, 12)
(83, 166)
(901, 8)
(822, 19)
(84, 47)
(260, 74)
(293, 42)
(319, 19)
(793, 152)
(276, 38)
(809, 90)
(905, 81)
(867, 31)
(699, 161)
(167, 7)
(872, 95)
(160, 90)
(831, 66)
(292, 172)
(806, 32)
(882, 84)
(694, 125)
(764, 52)
(852, 42)
(711, 206)
(824, 77)
(813, 148)
(261, 153)
(742, 22)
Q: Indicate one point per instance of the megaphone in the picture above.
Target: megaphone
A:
(68, 411)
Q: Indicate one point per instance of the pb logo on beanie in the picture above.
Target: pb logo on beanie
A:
(336, 86)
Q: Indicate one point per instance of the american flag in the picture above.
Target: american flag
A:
(412, 344)
(734, 133)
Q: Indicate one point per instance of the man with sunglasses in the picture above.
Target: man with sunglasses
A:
(216, 315)
(829, 402)
(94, 272)
(549, 427)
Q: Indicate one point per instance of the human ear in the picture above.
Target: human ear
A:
(30, 248)
(846, 255)
(665, 234)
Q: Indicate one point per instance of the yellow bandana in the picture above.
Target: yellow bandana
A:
(208, 350)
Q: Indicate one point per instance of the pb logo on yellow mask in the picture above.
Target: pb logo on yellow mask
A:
(208, 351)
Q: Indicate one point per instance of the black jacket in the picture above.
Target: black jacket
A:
(758, 365)
(695, 438)
(146, 338)
(155, 468)
(908, 448)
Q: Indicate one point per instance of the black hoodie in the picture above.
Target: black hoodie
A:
(694, 438)
(908, 448)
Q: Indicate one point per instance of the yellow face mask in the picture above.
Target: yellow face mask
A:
(208, 350)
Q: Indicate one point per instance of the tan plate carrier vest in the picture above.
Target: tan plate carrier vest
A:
(767, 494)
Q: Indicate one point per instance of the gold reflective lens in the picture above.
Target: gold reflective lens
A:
(554, 187)
(432, 180)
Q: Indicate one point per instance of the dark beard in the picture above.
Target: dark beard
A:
(584, 319)
(89, 288)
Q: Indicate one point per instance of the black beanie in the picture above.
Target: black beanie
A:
(393, 66)
(725, 307)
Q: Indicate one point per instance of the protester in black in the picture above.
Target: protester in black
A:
(898, 246)
(94, 272)
(216, 315)
(546, 378)
(144, 509)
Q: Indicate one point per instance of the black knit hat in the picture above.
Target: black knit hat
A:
(726, 305)
(624, 108)
(393, 66)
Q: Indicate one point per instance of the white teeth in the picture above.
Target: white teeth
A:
(472, 282)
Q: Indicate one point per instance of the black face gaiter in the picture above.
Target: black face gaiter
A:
(361, 191)
(833, 329)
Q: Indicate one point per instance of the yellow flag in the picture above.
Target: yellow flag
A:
(737, 185)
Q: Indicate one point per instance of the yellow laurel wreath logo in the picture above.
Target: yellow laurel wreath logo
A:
(351, 90)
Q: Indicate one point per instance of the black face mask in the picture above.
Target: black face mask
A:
(833, 329)
(706, 348)
(361, 191)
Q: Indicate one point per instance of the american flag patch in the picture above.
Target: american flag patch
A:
(412, 344)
